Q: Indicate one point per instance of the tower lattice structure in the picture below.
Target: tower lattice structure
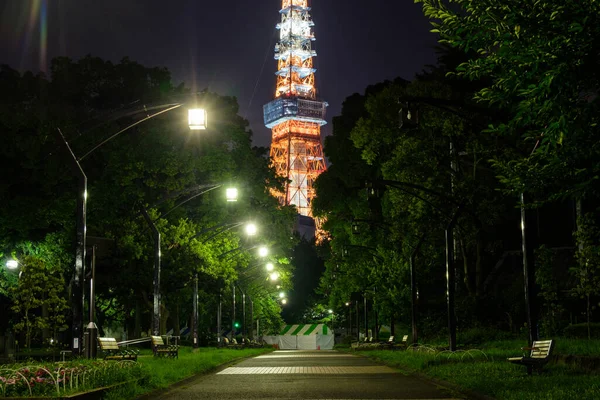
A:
(295, 116)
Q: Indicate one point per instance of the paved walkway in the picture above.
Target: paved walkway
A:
(286, 375)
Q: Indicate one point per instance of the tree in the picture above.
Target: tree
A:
(587, 270)
(540, 62)
(39, 287)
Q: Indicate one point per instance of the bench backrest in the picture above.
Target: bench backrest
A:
(404, 338)
(391, 339)
(541, 348)
(108, 343)
(226, 341)
(157, 341)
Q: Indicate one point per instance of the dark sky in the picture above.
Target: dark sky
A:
(226, 46)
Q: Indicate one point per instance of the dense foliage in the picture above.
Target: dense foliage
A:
(159, 166)
(511, 107)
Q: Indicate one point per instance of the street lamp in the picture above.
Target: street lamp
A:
(197, 119)
(263, 251)
(281, 295)
(251, 229)
(269, 267)
(231, 194)
(12, 264)
(274, 276)
(283, 301)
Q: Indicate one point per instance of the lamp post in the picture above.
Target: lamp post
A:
(77, 292)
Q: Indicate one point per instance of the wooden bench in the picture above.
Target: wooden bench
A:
(233, 344)
(160, 349)
(539, 356)
(112, 351)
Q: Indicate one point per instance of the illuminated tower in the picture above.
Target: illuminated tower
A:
(296, 116)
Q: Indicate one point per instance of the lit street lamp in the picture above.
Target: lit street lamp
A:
(274, 276)
(270, 267)
(263, 251)
(12, 264)
(77, 290)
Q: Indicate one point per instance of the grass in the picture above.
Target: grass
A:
(160, 373)
(492, 375)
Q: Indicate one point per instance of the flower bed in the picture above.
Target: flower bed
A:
(60, 379)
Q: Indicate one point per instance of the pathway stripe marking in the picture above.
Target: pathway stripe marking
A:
(307, 370)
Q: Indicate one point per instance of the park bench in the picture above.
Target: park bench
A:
(389, 344)
(161, 349)
(539, 356)
(112, 351)
(233, 344)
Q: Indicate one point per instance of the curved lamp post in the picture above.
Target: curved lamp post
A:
(197, 120)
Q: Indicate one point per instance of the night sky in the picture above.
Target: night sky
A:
(226, 46)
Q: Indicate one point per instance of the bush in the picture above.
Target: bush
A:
(580, 331)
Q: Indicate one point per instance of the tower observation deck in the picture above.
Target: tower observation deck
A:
(295, 116)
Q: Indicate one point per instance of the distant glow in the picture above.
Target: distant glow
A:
(263, 251)
(278, 287)
(330, 311)
(347, 303)
(251, 229)
(270, 267)
(231, 194)
(12, 264)
(274, 276)
(85, 195)
(197, 119)
(284, 301)
(281, 295)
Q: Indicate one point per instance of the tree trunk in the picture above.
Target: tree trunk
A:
(589, 312)
(176, 331)
(467, 271)
(479, 266)
(164, 316)
(137, 330)
(46, 333)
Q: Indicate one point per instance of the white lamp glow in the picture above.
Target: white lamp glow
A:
(284, 301)
(231, 194)
(12, 264)
(197, 119)
(251, 229)
(263, 251)
(281, 295)
(274, 276)
(270, 267)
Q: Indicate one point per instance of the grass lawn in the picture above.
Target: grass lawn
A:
(161, 373)
(492, 375)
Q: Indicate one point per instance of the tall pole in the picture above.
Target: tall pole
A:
(92, 329)
(233, 315)
(195, 312)
(219, 319)
(156, 280)
(527, 275)
(450, 285)
(366, 319)
(77, 291)
(251, 318)
(357, 322)
(243, 314)
(413, 291)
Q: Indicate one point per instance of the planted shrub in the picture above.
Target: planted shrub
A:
(65, 378)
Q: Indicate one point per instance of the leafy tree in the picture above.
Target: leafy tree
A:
(39, 287)
(540, 62)
(587, 270)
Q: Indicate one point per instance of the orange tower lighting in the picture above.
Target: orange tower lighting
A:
(295, 116)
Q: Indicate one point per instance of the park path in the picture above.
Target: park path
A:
(312, 375)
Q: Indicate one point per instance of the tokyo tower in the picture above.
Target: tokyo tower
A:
(295, 116)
